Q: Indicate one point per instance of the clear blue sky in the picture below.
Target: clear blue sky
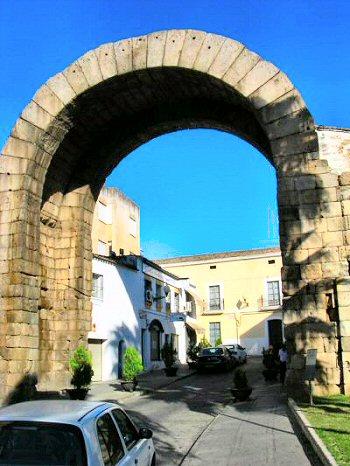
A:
(199, 191)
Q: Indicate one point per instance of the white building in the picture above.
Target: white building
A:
(137, 303)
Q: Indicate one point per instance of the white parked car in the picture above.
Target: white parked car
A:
(238, 352)
(72, 433)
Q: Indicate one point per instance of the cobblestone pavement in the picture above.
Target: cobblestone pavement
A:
(196, 423)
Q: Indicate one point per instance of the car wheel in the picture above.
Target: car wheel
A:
(153, 463)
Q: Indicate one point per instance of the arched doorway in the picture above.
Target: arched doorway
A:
(83, 121)
(155, 332)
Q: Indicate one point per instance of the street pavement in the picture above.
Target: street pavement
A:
(195, 422)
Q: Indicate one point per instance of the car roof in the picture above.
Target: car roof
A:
(212, 347)
(61, 411)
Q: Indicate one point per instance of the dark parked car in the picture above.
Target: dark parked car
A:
(215, 358)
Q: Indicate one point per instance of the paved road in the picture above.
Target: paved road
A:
(196, 423)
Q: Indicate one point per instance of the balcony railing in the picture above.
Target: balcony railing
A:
(191, 309)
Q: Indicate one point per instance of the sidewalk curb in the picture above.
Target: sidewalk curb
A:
(317, 444)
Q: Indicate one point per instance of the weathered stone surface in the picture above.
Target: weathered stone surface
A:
(46, 204)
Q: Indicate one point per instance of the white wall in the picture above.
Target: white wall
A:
(115, 317)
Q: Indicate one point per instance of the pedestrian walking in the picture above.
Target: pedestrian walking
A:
(283, 357)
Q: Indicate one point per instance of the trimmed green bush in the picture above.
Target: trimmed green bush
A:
(218, 342)
(81, 366)
(240, 378)
(168, 353)
(132, 364)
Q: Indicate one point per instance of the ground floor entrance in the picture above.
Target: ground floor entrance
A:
(95, 346)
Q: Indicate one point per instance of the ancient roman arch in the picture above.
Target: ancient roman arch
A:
(84, 120)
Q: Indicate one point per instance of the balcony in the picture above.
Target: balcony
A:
(191, 309)
(269, 304)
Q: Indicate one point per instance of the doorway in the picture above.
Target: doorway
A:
(121, 350)
(275, 333)
(95, 347)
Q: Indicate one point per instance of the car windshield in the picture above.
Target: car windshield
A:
(212, 352)
(37, 443)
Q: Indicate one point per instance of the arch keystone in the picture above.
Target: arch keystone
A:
(173, 46)
(155, 49)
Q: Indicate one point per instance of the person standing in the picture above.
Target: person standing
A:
(283, 357)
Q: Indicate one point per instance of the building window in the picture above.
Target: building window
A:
(155, 336)
(214, 332)
(148, 293)
(97, 286)
(158, 296)
(214, 297)
(102, 248)
(132, 227)
(104, 213)
(168, 303)
(273, 293)
(176, 302)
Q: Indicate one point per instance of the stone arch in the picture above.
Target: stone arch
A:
(84, 120)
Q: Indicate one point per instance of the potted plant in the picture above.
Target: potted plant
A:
(168, 354)
(242, 391)
(81, 367)
(132, 367)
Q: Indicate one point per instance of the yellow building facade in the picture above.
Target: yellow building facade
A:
(241, 295)
(116, 224)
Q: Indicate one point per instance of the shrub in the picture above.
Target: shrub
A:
(218, 342)
(240, 379)
(168, 354)
(194, 350)
(132, 364)
(204, 343)
(81, 366)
